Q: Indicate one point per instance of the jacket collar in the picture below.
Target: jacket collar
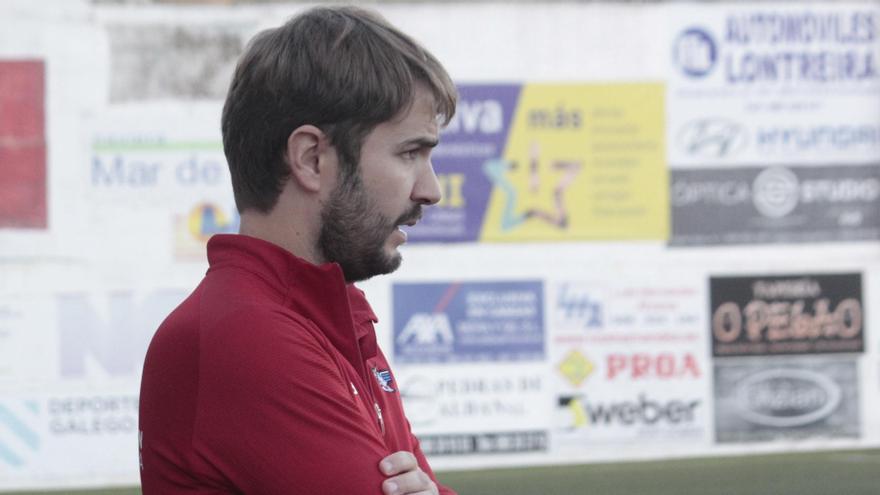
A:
(317, 292)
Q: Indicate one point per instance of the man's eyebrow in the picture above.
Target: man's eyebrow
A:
(421, 142)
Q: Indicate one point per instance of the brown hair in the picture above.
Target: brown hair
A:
(342, 69)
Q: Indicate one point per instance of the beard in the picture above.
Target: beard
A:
(353, 232)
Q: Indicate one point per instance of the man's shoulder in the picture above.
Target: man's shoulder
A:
(237, 316)
(254, 319)
(262, 339)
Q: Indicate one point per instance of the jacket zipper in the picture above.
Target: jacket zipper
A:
(375, 402)
(379, 415)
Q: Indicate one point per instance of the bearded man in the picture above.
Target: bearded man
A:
(268, 379)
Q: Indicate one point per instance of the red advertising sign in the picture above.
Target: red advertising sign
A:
(664, 365)
(22, 144)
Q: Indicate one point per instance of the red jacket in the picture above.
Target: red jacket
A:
(267, 379)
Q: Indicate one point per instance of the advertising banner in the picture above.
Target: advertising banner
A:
(43, 436)
(22, 145)
(468, 322)
(624, 231)
(624, 366)
(791, 314)
(70, 365)
(625, 396)
(624, 312)
(74, 337)
(750, 205)
(731, 134)
(778, 48)
(173, 179)
(106, 335)
(469, 359)
(628, 416)
(785, 398)
(764, 83)
(629, 364)
(472, 409)
(552, 162)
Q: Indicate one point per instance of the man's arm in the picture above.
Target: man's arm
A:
(277, 416)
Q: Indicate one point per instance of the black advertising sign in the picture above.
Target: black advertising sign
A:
(780, 204)
(792, 314)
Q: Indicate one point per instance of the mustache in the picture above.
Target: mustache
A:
(413, 215)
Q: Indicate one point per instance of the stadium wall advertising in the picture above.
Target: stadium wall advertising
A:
(23, 144)
(800, 314)
(778, 204)
(783, 398)
(727, 158)
(551, 162)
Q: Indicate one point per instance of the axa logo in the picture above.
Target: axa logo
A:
(19, 439)
(695, 52)
(712, 138)
(584, 412)
(427, 329)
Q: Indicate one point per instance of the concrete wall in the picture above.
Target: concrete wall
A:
(689, 268)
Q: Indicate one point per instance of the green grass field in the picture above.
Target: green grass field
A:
(826, 473)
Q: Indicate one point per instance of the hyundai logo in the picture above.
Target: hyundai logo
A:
(711, 138)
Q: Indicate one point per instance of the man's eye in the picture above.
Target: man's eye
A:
(411, 154)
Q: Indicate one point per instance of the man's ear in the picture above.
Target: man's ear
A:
(305, 155)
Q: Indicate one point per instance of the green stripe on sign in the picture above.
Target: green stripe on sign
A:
(169, 146)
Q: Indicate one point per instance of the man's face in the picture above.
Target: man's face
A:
(361, 220)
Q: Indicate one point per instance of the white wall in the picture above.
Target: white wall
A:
(624, 307)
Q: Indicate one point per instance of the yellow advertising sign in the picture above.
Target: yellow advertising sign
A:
(581, 162)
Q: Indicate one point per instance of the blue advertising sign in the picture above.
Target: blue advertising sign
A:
(468, 322)
(478, 132)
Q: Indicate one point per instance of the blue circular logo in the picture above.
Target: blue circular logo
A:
(695, 52)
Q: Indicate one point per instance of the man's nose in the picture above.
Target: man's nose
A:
(427, 188)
